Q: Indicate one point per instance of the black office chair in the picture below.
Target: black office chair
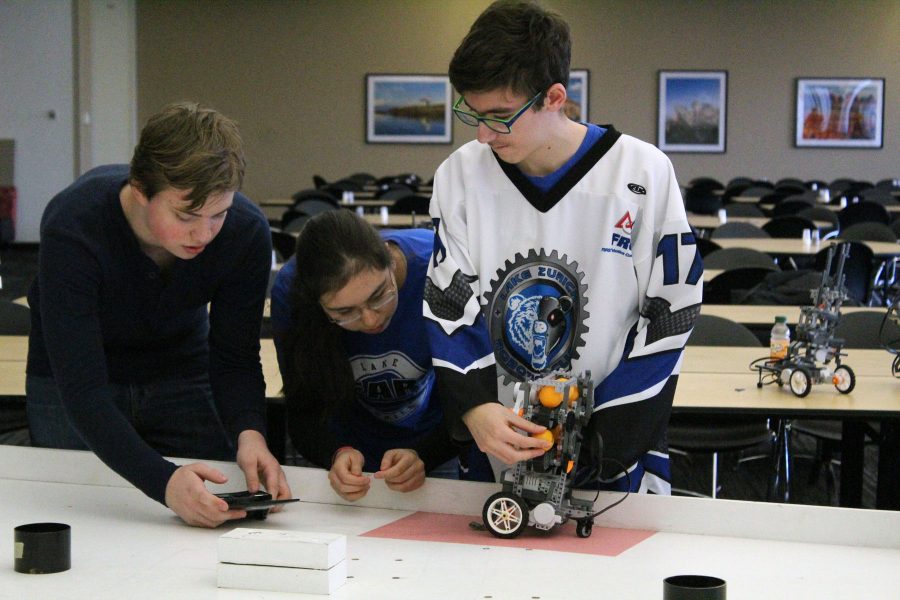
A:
(791, 206)
(293, 220)
(837, 186)
(15, 319)
(738, 229)
(733, 286)
(790, 182)
(284, 244)
(741, 209)
(739, 180)
(736, 258)
(409, 204)
(820, 213)
(878, 196)
(869, 231)
(706, 246)
(316, 194)
(713, 434)
(859, 270)
(705, 183)
(788, 226)
(757, 190)
(363, 179)
(815, 184)
(890, 185)
(702, 201)
(735, 187)
(394, 191)
(314, 206)
(895, 227)
(861, 212)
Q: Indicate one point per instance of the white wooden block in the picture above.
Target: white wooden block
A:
(282, 579)
(274, 548)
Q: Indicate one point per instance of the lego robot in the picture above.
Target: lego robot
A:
(538, 492)
(808, 358)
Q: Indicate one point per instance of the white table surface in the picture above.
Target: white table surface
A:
(127, 546)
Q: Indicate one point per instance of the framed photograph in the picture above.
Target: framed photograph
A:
(408, 109)
(839, 113)
(577, 95)
(692, 111)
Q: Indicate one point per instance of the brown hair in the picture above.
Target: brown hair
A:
(513, 44)
(187, 147)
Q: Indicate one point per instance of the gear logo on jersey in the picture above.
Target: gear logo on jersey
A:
(620, 240)
(535, 314)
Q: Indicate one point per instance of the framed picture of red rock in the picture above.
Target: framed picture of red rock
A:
(692, 111)
(837, 112)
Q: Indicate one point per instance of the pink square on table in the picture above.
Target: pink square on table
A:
(436, 527)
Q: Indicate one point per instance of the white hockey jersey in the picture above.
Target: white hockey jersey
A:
(599, 273)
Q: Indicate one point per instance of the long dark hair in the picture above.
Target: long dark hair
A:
(333, 247)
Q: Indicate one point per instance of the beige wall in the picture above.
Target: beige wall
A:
(293, 74)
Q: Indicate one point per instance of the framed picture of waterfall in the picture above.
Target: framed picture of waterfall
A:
(692, 111)
(408, 109)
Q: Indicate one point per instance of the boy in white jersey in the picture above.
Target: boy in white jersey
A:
(561, 246)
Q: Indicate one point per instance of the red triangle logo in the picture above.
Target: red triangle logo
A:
(625, 223)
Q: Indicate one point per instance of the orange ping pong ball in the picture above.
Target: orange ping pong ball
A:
(549, 397)
(545, 435)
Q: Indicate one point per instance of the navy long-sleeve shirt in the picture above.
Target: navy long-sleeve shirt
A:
(102, 312)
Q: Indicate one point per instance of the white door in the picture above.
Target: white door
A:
(36, 102)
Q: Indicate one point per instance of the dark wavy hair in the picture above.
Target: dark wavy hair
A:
(333, 247)
(513, 44)
(188, 147)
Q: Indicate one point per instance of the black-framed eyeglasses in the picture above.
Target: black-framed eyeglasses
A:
(376, 304)
(503, 126)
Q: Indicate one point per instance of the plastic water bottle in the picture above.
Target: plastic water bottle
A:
(780, 339)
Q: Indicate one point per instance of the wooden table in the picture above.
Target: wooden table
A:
(798, 247)
(366, 203)
(891, 208)
(712, 221)
(397, 221)
(764, 315)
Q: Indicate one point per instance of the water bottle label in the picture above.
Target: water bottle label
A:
(778, 349)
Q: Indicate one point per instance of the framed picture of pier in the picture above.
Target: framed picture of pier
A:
(692, 111)
(408, 109)
(839, 113)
